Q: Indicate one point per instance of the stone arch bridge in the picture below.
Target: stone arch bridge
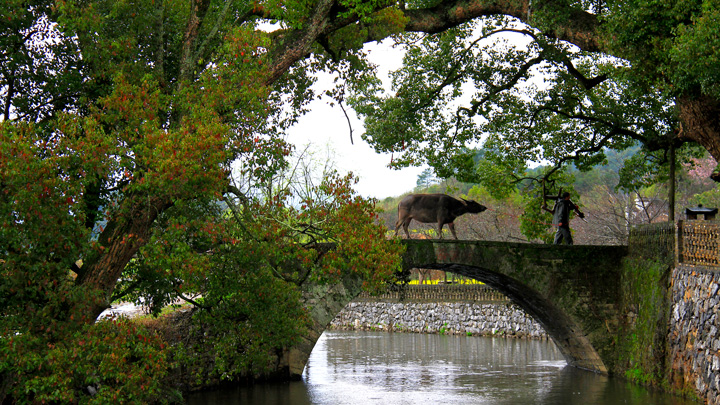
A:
(573, 291)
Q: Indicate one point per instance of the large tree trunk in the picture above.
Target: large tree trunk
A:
(700, 117)
(121, 242)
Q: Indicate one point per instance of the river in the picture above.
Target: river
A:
(405, 368)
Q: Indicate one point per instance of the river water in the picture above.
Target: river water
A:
(406, 368)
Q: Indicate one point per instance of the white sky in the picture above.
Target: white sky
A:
(326, 126)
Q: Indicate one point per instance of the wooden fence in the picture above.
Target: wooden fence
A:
(698, 243)
(653, 240)
(439, 293)
(690, 242)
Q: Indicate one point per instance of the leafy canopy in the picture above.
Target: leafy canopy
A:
(502, 86)
(124, 125)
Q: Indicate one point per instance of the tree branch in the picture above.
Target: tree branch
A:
(580, 29)
(348, 119)
(451, 13)
(586, 83)
(475, 105)
(198, 11)
(296, 44)
(192, 301)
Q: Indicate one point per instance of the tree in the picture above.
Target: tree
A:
(426, 179)
(120, 115)
(115, 162)
(174, 70)
(559, 82)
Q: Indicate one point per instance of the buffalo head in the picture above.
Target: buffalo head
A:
(473, 207)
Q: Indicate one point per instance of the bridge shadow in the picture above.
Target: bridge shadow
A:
(572, 291)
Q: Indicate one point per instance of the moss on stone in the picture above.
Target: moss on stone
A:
(641, 342)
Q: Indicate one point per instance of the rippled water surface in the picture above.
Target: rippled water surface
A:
(405, 368)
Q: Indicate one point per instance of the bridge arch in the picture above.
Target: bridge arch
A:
(567, 335)
(572, 291)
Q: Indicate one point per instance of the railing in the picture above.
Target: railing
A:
(693, 242)
(439, 293)
(699, 243)
(653, 240)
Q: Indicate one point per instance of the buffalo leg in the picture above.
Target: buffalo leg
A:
(452, 229)
(406, 225)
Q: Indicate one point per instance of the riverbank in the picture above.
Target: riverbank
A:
(460, 310)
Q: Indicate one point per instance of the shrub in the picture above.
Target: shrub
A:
(108, 362)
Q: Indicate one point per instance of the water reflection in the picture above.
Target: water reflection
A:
(402, 368)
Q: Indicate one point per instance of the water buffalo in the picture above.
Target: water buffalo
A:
(439, 208)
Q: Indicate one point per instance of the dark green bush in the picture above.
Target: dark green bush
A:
(114, 361)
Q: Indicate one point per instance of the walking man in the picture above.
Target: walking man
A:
(561, 218)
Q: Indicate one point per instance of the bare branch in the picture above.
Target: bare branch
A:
(347, 118)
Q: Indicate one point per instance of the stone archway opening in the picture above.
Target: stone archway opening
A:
(567, 335)
(391, 312)
(460, 308)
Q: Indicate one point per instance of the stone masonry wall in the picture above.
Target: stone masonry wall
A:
(692, 353)
(694, 341)
(484, 319)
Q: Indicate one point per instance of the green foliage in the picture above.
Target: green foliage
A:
(34, 86)
(246, 319)
(411, 124)
(254, 262)
(39, 228)
(565, 122)
(695, 54)
(497, 176)
(117, 145)
(525, 97)
(708, 199)
(380, 24)
(672, 44)
(643, 168)
(426, 179)
(108, 362)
